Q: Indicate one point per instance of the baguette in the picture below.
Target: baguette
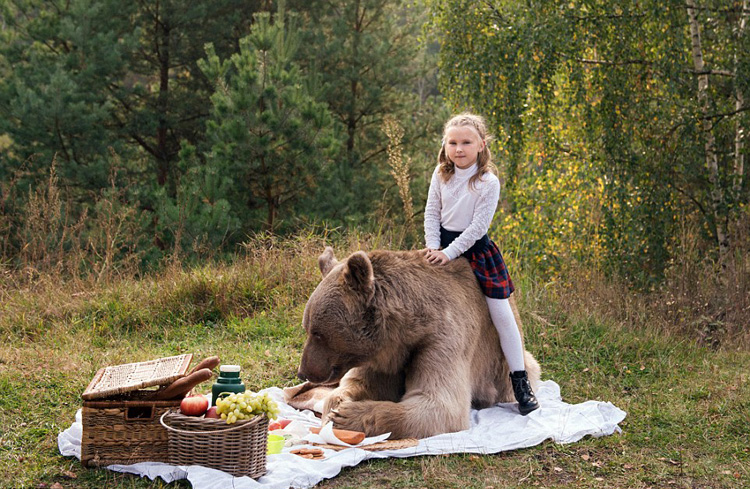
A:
(182, 386)
(209, 363)
(350, 437)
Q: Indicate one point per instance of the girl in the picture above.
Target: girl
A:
(463, 196)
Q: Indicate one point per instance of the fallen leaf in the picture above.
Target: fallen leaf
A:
(56, 485)
(599, 478)
(585, 457)
(558, 469)
(627, 466)
(267, 353)
(69, 474)
(586, 369)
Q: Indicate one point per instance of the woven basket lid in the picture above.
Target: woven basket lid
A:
(128, 377)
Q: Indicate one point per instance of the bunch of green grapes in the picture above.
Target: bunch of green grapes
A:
(246, 405)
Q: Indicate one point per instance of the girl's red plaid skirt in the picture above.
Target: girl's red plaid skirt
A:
(489, 268)
(486, 262)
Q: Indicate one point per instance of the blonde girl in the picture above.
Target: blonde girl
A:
(461, 203)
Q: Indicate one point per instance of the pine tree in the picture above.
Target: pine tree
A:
(86, 75)
(368, 52)
(54, 98)
(267, 132)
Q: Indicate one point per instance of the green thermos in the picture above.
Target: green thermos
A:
(229, 382)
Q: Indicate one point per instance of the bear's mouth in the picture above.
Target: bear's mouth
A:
(331, 381)
(333, 377)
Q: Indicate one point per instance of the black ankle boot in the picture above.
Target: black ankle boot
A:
(524, 395)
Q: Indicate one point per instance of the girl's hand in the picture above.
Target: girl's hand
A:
(437, 257)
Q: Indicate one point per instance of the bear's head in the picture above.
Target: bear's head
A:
(339, 319)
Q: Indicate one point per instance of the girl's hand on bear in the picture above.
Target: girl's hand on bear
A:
(437, 257)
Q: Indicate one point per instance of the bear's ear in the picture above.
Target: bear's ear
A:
(358, 274)
(327, 261)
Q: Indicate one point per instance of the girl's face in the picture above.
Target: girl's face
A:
(463, 145)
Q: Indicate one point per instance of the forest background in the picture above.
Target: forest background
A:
(140, 133)
(169, 172)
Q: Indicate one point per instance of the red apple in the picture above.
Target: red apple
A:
(194, 405)
(211, 413)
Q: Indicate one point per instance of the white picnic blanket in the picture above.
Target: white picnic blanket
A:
(492, 430)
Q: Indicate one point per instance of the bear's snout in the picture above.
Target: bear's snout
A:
(318, 365)
(318, 368)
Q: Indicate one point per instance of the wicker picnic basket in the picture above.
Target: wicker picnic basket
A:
(238, 449)
(120, 418)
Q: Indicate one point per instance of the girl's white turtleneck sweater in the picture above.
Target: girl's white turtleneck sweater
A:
(459, 208)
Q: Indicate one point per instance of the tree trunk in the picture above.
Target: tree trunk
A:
(273, 207)
(739, 131)
(712, 160)
(351, 123)
(163, 102)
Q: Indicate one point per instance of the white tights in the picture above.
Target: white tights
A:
(510, 336)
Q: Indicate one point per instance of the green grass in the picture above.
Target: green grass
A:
(688, 423)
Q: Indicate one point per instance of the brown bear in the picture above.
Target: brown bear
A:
(411, 345)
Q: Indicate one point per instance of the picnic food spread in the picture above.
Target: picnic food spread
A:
(125, 420)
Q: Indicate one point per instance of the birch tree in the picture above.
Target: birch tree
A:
(651, 97)
(717, 190)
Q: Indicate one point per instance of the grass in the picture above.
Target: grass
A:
(688, 423)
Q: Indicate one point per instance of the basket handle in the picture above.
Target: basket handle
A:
(186, 432)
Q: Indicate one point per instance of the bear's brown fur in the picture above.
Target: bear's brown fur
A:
(411, 344)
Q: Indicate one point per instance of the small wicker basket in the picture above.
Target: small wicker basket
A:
(238, 449)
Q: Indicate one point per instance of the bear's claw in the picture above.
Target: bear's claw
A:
(350, 415)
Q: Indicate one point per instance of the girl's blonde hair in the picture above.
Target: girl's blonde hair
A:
(484, 159)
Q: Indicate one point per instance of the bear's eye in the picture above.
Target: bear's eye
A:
(318, 336)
